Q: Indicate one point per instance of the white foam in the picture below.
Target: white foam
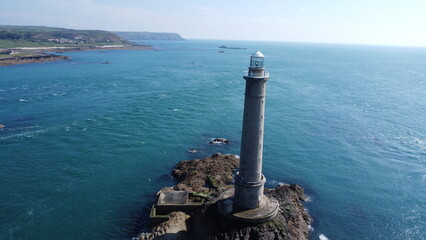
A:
(26, 134)
(273, 182)
(30, 212)
(280, 184)
(323, 237)
(23, 100)
(419, 143)
(194, 150)
(413, 142)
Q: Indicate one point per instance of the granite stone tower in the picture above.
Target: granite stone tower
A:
(249, 180)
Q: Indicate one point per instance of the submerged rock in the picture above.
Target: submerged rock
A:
(194, 150)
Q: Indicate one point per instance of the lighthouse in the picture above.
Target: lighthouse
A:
(249, 203)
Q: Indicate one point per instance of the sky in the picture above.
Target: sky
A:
(375, 22)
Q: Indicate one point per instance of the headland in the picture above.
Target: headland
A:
(32, 44)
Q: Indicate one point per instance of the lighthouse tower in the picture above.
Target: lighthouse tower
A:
(249, 203)
(249, 180)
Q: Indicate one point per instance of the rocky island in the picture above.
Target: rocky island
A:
(202, 182)
(215, 200)
(226, 47)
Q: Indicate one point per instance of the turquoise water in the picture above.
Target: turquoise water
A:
(87, 145)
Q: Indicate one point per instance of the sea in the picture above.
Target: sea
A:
(86, 145)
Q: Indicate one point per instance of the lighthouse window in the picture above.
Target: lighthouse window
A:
(256, 62)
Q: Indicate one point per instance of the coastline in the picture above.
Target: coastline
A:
(37, 54)
(34, 58)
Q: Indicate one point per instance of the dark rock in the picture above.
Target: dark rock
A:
(173, 229)
(193, 174)
(219, 141)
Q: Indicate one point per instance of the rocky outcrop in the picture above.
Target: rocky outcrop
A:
(295, 216)
(214, 171)
(30, 59)
(292, 221)
(211, 175)
(219, 141)
(173, 229)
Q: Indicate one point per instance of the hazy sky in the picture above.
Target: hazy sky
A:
(384, 22)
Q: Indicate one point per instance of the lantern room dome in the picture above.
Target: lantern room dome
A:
(258, 54)
(256, 60)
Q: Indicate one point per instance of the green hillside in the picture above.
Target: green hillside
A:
(39, 36)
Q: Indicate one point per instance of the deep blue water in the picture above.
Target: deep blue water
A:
(86, 145)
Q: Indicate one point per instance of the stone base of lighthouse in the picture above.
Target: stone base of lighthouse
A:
(242, 210)
(248, 195)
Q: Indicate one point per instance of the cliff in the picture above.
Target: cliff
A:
(150, 36)
(207, 179)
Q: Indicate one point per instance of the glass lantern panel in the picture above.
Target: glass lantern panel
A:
(256, 62)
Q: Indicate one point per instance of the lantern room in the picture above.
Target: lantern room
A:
(256, 60)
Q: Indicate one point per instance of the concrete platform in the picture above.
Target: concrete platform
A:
(267, 210)
(173, 198)
(170, 200)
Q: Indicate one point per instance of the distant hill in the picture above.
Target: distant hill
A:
(39, 36)
(150, 36)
